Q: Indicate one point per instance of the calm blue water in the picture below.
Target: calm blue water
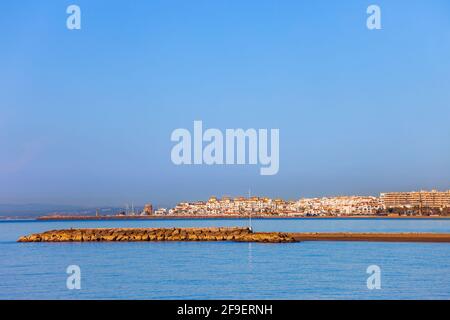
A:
(224, 270)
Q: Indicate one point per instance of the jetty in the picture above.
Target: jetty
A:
(158, 234)
(373, 237)
(236, 234)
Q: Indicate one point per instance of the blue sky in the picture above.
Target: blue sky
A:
(86, 115)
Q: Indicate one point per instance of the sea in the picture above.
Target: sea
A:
(227, 270)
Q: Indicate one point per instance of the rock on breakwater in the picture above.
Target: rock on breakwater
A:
(157, 234)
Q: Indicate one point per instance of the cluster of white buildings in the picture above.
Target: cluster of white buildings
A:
(352, 205)
(348, 205)
(230, 206)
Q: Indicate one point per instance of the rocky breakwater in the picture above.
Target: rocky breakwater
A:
(158, 234)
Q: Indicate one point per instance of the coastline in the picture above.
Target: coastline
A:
(225, 217)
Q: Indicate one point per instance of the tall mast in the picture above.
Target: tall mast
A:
(250, 212)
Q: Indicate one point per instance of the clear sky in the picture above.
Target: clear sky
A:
(86, 115)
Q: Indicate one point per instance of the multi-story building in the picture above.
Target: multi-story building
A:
(161, 211)
(426, 199)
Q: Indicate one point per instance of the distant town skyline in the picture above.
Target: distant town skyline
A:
(86, 115)
(433, 198)
(412, 203)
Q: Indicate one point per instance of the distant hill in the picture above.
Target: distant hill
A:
(34, 210)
